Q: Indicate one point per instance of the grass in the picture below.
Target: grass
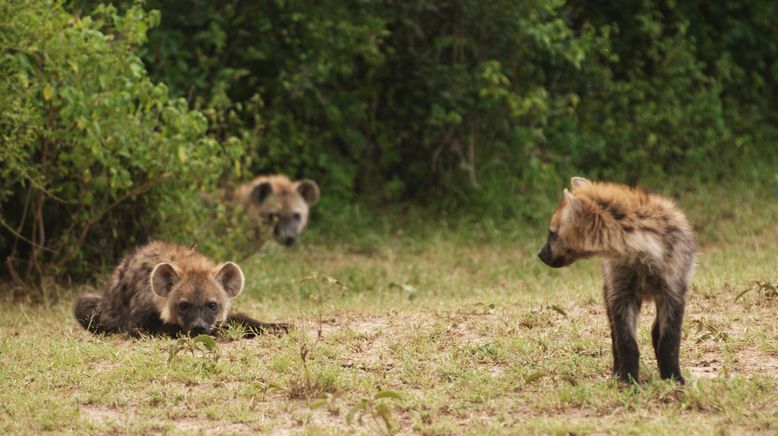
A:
(433, 329)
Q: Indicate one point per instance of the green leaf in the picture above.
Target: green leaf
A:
(175, 348)
(354, 410)
(740, 295)
(182, 154)
(534, 376)
(559, 310)
(389, 394)
(385, 412)
(315, 404)
(48, 92)
(207, 342)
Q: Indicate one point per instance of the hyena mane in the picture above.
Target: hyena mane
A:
(648, 250)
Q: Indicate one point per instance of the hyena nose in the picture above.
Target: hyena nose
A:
(289, 240)
(198, 329)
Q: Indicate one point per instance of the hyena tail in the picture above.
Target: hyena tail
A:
(253, 328)
(87, 312)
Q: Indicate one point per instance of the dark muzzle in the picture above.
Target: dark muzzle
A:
(548, 258)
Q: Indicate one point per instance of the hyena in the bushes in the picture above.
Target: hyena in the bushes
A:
(649, 254)
(276, 201)
(169, 289)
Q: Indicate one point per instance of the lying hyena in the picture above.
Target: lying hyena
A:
(278, 202)
(648, 247)
(165, 288)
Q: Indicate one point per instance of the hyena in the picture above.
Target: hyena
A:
(165, 288)
(278, 202)
(649, 254)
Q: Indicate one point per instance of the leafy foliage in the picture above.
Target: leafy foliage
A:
(473, 108)
(473, 103)
(96, 156)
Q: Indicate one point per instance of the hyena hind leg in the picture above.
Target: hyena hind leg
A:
(623, 326)
(666, 337)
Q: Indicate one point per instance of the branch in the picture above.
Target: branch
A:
(138, 190)
(21, 237)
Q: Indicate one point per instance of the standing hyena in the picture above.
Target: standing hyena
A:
(278, 202)
(165, 288)
(648, 246)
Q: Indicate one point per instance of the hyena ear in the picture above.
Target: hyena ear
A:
(309, 190)
(577, 182)
(163, 278)
(230, 277)
(260, 192)
(575, 204)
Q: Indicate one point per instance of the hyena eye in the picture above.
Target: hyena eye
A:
(212, 305)
(296, 216)
(552, 235)
(183, 306)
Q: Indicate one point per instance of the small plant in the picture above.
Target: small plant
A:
(765, 289)
(202, 345)
(232, 332)
(378, 409)
(711, 332)
(308, 386)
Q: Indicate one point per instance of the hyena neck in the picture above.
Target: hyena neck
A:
(621, 245)
(603, 237)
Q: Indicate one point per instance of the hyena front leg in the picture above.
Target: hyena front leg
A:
(254, 327)
(666, 336)
(614, 348)
(623, 312)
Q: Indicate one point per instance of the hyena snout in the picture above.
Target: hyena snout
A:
(547, 256)
(199, 328)
(286, 233)
(285, 239)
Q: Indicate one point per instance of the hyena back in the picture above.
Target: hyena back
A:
(278, 202)
(649, 254)
(165, 288)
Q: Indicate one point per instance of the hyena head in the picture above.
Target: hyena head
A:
(196, 301)
(569, 235)
(286, 207)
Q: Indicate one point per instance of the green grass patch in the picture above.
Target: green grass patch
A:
(464, 328)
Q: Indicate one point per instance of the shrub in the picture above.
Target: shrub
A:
(96, 157)
(473, 105)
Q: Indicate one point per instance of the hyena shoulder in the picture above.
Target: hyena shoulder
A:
(634, 219)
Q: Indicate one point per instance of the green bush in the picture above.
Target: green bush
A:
(481, 109)
(488, 105)
(96, 157)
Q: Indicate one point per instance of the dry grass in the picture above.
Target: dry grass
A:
(474, 335)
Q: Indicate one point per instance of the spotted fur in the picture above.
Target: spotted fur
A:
(165, 288)
(648, 248)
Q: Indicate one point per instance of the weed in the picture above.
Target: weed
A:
(766, 290)
(378, 408)
(308, 385)
(202, 346)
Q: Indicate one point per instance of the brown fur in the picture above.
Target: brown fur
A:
(649, 254)
(278, 202)
(165, 288)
